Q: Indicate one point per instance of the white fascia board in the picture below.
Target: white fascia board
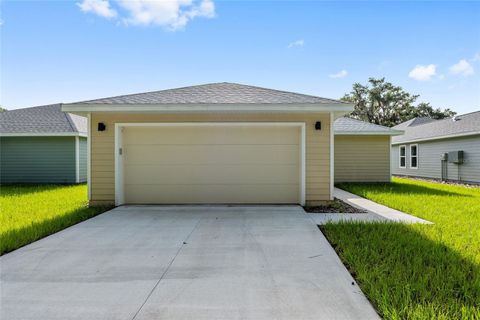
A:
(44, 134)
(368, 133)
(175, 108)
(458, 135)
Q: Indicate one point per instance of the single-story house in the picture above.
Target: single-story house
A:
(447, 149)
(216, 143)
(42, 145)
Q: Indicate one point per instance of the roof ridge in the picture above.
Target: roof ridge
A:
(464, 114)
(146, 92)
(70, 121)
(208, 84)
(34, 107)
(283, 91)
(358, 120)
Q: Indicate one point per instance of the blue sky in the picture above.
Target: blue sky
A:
(65, 51)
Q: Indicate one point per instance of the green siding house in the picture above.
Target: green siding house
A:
(42, 145)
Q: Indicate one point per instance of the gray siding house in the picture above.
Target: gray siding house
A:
(446, 149)
(42, 145)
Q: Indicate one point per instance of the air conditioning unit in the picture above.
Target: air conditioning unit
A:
(455, 157)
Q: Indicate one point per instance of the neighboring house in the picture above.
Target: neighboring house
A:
(214, 143)
(446, 149)
(362, 151)
(42, 145)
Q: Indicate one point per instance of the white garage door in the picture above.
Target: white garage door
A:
(245, 164)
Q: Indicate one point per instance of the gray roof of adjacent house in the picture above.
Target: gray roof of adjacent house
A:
(414, 122)
(461, 125)
(215, 93)
(349, 126)
(42, 120)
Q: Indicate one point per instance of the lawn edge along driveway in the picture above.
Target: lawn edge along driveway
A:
(416, 271)
(31, 212)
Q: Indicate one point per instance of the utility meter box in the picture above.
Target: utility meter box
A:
(455, 157)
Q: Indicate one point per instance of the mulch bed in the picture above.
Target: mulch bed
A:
(335, 206)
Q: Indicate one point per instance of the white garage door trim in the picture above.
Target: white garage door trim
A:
(119, 190)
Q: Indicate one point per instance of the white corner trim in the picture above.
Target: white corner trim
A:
(400, 156)
(473, 133)
(185, 108)
(390, 158)
(119, 179)
(89, 151)
(77, 159)
(332, 155)
(44, 134)
(303, 165)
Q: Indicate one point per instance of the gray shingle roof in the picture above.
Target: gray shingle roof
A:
(41, 120)
(463, 124)
(215, 93)
(348, 125)
(414, 122)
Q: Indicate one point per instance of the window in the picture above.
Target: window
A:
(414, 156)
(403, 156)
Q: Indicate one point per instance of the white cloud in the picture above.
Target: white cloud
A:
(171, 14)
(298, 43)
(99, 7)
(476, 57)
(340, 74)
(463, 67)
(423, 73)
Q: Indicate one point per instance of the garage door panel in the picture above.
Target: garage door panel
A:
(211, 135)
(210, 164)
(174, 194)
(211, 154)
(212, 174)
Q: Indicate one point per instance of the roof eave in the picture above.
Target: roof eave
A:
(201, 108)
(43, 134)
(457, 135)
(368, 133)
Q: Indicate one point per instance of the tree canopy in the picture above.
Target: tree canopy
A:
(383, 103)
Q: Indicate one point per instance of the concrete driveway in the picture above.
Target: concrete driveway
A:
(182, 262)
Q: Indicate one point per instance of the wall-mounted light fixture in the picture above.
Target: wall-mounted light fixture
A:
(101, 126)
(318, 125)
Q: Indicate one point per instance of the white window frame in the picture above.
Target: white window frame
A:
(410, 155)
(119, 179)
(400, 156)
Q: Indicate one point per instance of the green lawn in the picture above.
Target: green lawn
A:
(28, 213)
(416, 271)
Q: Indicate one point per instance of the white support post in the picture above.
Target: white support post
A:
(332, 155)
(89, 151)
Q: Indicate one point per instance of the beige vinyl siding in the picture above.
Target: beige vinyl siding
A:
(102, 147)
(362, 158)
